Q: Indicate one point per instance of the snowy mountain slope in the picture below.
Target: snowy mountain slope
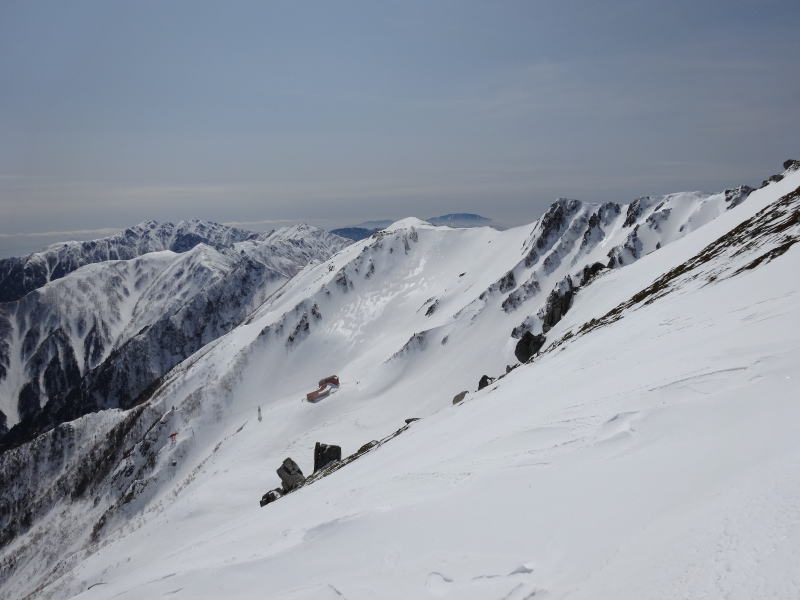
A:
(20, 275)
(407, 319)
(666, 468)
(112, 328)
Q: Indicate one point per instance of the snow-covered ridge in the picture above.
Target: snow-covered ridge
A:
(20, 275)
(79, 331)
(408, 318)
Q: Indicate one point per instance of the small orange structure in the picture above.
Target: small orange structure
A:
(326, 385)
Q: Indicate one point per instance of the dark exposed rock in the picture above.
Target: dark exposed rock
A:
(291, 475)
(432, 308)
(411, 420)
(791, 164)
(521, 294)
(459, 396)
(735, 196)
(594, 227)
(635, 210)
(271, 496)
(324, 454)
(528, 345)
(28, 403)
(505, 283)
(590, 272)
(558, 303)
(484, 381)
(368, 446)
(772, 178)
(300, 331)
(551, 226)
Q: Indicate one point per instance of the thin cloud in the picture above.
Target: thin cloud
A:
(65, 234)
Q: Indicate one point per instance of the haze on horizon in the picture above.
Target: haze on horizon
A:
(335, 113)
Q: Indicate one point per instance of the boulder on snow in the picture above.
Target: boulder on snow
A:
(459, 397)
(368, 446)
(271, 496)
(484, 381)
(291, 475)
(324, 454)
(411, 420)
(528, 345)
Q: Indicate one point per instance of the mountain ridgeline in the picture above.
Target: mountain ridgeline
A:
(116, 314)
(364, 230)
(126, 384)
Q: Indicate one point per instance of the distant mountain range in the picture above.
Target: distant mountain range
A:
(459, 220)
(91, 325)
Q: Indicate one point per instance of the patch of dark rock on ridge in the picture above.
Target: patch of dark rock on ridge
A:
(635, 210)
(325, 454)
(271, 496)
(528, 345)
(791, 164)
(735, 196)
(484, 381)
(590, 272)
(552, 226)
(772, 179)
(558, 303)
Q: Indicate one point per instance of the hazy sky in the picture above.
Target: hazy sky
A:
(337, 112)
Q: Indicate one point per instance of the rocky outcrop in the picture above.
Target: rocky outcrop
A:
(368, 446)
(550, 228)
(460, 396)
(791, 164)
(291, 475)
(635, 210)
(325, 454)
(557, 304)
(735, 196)
(772, 179)
(528, 345)
(271, 496)
(590, 272)
(484, 381)
(527, 290)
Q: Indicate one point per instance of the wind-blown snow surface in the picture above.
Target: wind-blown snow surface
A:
(649, 451)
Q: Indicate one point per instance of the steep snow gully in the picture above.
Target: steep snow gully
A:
(645, 448)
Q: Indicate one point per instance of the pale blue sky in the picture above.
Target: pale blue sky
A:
(338, 112)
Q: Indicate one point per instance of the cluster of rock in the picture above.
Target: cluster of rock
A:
(327, 459)
(292, 476)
